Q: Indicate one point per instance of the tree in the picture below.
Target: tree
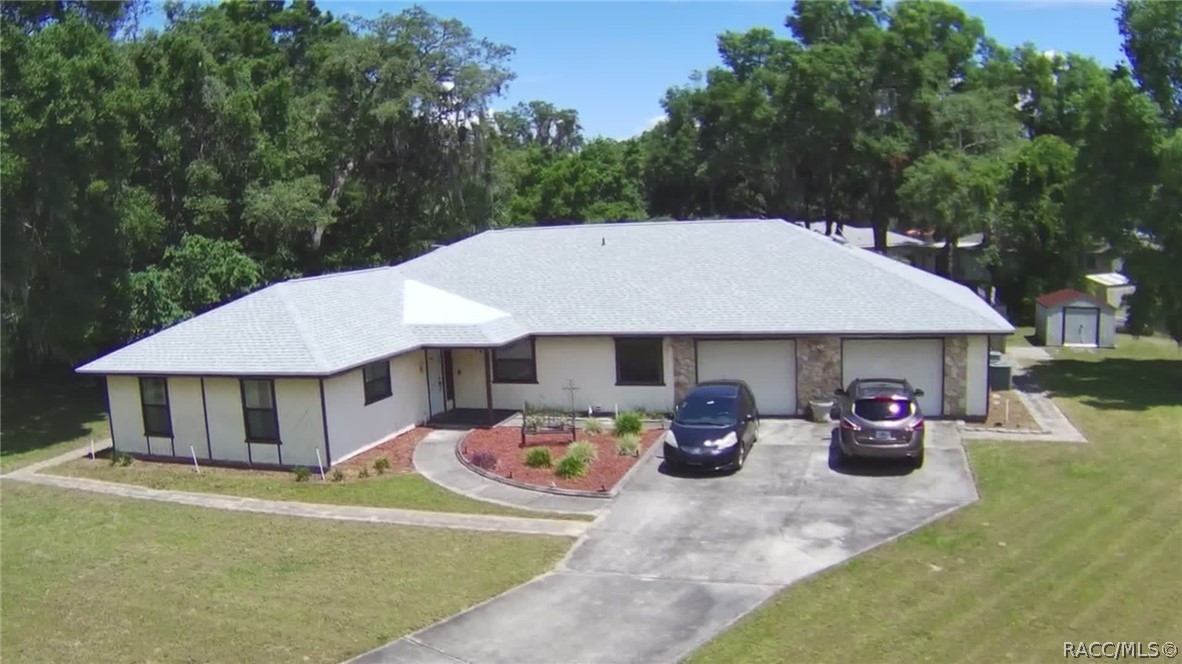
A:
(1152, 34)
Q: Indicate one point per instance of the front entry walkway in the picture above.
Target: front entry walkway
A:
(678, 559)
(435, 458)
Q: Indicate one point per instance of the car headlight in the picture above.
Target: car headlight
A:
(670, 438)
(724, 442)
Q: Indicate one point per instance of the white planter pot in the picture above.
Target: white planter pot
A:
(820, 410)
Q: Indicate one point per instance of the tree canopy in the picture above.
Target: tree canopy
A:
(150, 174)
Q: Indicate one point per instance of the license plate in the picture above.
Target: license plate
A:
(882, 435)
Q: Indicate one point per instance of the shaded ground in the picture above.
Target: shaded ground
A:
(401, 490)
(38, 421)
(1067, 542)
(90, 578)
(602, 475)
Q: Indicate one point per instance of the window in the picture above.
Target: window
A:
(154, 399)
(515, 363)
(883, 409)
(258, 411)
(640, 361)
(377, 381)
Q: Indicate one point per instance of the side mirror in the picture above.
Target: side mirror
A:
(749, 417)
(839, 392)
(919, 393)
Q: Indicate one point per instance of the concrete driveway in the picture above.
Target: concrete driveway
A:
(678, 559)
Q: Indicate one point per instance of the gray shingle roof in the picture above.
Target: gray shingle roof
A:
(702, 277)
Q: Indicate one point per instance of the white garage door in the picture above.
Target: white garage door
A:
(768, 367)
(920, 361)
(1080, 326)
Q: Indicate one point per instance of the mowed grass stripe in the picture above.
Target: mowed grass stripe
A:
(1047, 620)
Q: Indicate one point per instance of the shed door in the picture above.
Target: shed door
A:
(767, 366)
(1081, 326)
(920, 361)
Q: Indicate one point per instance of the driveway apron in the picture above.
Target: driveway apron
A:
(678, 559)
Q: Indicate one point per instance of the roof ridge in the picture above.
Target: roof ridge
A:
(301, 327)
(617, 224)
(330, 275)
(917, 278)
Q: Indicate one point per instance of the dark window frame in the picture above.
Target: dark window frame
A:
(274, 410)
(660, 381)
(145, 407)
(376, 389)
(497, 377)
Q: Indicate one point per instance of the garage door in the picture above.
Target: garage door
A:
(1081, 326)
(768, 367)
(920, 361)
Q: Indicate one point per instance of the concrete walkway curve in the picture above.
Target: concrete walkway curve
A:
(435, 458)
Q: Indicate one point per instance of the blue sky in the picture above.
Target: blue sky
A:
(613, 61)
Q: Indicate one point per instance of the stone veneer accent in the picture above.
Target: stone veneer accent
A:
(685, 366)
(818, 369)
(956, 351)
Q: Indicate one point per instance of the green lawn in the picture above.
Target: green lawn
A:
(89, 578)
(1069, 542)
(406, 490)
(41, 421)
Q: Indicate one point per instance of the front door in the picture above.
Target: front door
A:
(435, 381)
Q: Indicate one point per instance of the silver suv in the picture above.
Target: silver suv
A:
(880, 418)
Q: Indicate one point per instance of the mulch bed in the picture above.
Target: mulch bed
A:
(1019, 417)
(398, 449)
(602, 475)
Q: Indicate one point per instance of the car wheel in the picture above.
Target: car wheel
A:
(740, 458)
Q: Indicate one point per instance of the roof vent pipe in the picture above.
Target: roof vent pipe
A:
(603, 241)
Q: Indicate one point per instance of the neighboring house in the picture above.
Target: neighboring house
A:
(631, 314)
(968, 265)
(1113, 288)
(898, 245)
(1070, 318)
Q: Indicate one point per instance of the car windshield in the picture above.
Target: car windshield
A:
(706, 411)
(883, 409)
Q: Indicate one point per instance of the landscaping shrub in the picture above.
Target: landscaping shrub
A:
(628, 445)
(538, 457)
(583, 451)
(571, 467)
(381, 465)
(484, 460)
(592, 426)
(121, 459)
(629, 423)
(338, 475)
(302, 474)
(363, 473)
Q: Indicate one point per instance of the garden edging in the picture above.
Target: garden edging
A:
(557, 491)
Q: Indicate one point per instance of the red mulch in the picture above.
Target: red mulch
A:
(602, 474)
(398, 449)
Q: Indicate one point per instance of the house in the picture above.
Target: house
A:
(322, 368)
(898, 245)
(1070, 318)
(1113, 288)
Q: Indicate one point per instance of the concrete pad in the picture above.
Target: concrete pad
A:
(769, 470)
(585, 619)
(943, 478)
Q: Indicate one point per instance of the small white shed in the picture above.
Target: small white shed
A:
(1070, 318)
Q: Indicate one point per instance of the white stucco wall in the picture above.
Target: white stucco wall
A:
(297, 401)
(188, 419)
(977, 377)
(591, 363)
(354, 426)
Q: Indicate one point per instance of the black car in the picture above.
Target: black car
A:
(880, 418)
(714, 427)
